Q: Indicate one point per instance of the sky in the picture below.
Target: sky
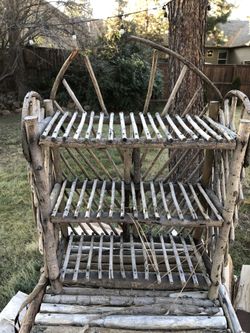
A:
(242, 11)
(102, 9)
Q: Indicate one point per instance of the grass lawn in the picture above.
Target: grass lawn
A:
(19, 258)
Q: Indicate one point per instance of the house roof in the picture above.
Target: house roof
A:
(236, 33)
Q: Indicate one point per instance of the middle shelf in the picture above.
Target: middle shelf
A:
(170, 204)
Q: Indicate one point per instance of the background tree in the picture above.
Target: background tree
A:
(219, 12)
(143, 18)
(26, 22)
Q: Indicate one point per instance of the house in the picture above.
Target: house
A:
(236, 46)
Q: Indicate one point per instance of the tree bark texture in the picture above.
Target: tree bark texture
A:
(187, 28)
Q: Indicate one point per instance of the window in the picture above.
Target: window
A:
(210, 53)
(222, 57)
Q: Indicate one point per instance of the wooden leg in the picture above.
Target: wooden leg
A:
(232, 195)
(42, 190)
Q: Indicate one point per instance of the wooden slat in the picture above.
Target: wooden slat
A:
(88, 267)
(99, 211)
(203, 134)
(59, 199)
(175, 128)
(189, 261)
(70, 198)
(50, 125)
(80, 126)
(78, 259)
(209, 202)
(208, 128)
(111, 209)
(111, 272)
(91, 198)
(90, 125)
(200, 261)
(186, 128)
(164, 201)
(154, 258)
(168, 269)
(201, 208)
(221, 129)
(154, 200)
(134, 126)
(66, 259)
(100, 257)
(144, 126)
(152, 123)
(144, 203)
(111, 127)
(178, 261)
(133, 257)
(80, 200)
(58, 126)
(100, 126)
(122, 200)
(70, 125)
(135, 211)
(163, 127)
(177, 207)
(123, 274)
(188, 202)
(146, 265)
(123, 126)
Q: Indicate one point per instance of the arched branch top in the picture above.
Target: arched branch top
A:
(191, 66)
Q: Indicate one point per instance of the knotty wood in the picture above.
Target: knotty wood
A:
(43, 194)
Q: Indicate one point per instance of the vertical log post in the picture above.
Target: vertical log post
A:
(43, 196)
(49, 111)
(232, 195)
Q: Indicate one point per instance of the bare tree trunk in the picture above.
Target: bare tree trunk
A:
(187, 28)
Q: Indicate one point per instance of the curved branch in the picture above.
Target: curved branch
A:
(243, 97)
(181, 58)
(61, 73)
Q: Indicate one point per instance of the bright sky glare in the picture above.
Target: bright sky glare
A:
(102, 9)
(242, 11)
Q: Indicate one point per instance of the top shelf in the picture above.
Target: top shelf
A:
(135, 130)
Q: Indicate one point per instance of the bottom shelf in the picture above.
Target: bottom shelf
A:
(102, 310)
(161, 262)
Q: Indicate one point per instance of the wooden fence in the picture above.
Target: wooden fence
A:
(225, 77)
(40, 63)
